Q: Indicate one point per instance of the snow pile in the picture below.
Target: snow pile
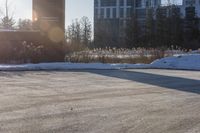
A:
(185, 61)
(69, 66)
(195, 52)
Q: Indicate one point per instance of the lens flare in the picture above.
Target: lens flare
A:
(44, 26)
(56, 35)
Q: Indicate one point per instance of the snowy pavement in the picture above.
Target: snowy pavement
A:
(100, 101)
(186, 62)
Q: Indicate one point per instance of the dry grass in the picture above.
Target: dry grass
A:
(113, 55)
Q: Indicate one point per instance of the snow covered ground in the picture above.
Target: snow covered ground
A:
(185, 61)
(69, 66)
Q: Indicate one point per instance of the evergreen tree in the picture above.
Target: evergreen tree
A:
(7, 22)
(104, 36)
(161, 28)
(150, 28)
(175, 25)
(133, 32)
(25, 24)
(191, 29)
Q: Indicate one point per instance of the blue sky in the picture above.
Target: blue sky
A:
(74, 9)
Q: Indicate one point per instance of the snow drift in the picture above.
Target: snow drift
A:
(185, 61)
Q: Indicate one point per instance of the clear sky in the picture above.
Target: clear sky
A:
(74, 9)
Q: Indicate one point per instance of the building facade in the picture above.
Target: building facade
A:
(190, 3)
(113, 15)
(49, 18)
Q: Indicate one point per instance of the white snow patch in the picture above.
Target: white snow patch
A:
(184, 61)
(69, 66)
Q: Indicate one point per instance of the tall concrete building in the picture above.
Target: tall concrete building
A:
(112, 16)
(189, 9)
(190, 3)
(49, 18)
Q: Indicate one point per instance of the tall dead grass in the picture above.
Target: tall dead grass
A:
(114, 55)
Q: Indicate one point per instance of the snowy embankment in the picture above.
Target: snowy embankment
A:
(187, 62)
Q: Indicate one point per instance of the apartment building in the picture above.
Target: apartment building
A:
(112, 15)
(186, 4)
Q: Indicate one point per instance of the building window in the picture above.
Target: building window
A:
(114, 13)
(190, 12)
(190, 2)
(141, 13)
(155, 2)
(102, 13)
(96, 3)
(121, 2)
(121, 12)
(128, 12)
(108, 13)
(138, 3)
(108, 2)
(129, 3)
(96, 13)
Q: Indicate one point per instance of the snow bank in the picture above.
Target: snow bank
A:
(69, 66)
(187, 62)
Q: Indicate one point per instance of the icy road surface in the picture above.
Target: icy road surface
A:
(100, 101)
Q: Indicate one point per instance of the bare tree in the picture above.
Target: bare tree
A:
(86, 28)
(74, 32)
(7, 22)
(25, 24)
(133, 32)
